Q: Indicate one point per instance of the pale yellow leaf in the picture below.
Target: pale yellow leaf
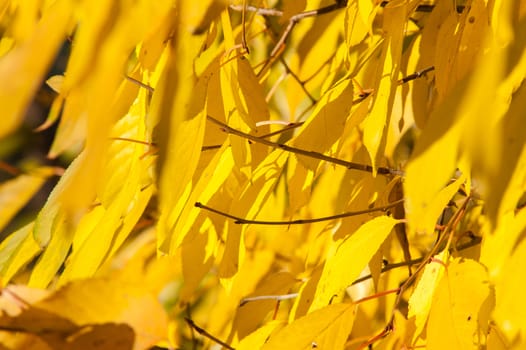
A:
(434, 158)
(510, 308)
(257, 339)
(21, 73)
(327, 122)
(375, 125)
(422, 297)
(15, 193)
(247, 205)
(17, 250)
(250, 315)
(326, 328)
(180, 107)
(348, 257)
(456, 317)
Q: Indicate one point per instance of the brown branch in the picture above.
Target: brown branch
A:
(474, 241)
(278, 47)
(311, 154)
(204, 333)
(298, 80)
(288, 127)
(416, 75)
(239, 220)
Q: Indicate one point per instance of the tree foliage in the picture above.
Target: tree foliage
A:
(266, 174)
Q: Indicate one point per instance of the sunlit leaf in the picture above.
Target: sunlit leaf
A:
(15, 193)
(388, 68)
(21, 73)
(422, 297)
(348, 257)
(327, 327)
(456, 316)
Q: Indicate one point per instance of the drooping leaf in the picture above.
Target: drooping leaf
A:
(21, 73)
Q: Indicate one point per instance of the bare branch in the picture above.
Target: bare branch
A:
(311, 154)
(203, 332)
(239, 220)
(268, 297)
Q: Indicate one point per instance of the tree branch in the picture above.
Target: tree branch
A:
(311, 154)
(243, 221)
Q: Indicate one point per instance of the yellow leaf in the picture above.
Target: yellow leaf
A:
(15, 193)
(348, 257)
(247, 205)
(306, 295)
(457, 319)
(327, 328)
(180, 106)
(257, 339)
(326, 123)
(422, 297)
(510, 308)
(197, 258)
(198, 16)
(355, 28)
(17, 250)
(211, 179)
(21, 73)
(375, 125)
(250, 315)
(434, 158)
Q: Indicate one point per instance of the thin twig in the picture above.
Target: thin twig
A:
(243, 25)
(298, 80)
(268, 297)
(278, 47)
(140, 83)
(203, 332)
(311, 154)
(288, 127)
(416, 75)
(243, 221)
(388, 267)
(259, 10)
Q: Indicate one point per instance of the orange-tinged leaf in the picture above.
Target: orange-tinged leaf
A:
(456, 318)
(422, 297)
(348, 257)
(326, 328)
(21, 73)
